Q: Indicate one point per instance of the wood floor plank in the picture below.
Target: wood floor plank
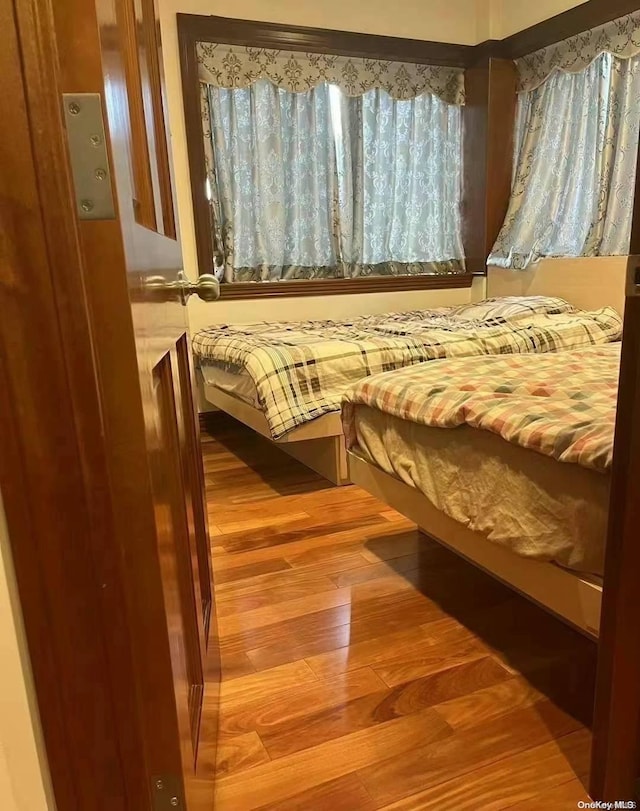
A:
(390, 514)
(291, 529)
(431, 659)
(331, 505)
(332, 629)
(235, 663)
(372, 571)
(313, 548)
(240, 753)
(342, 794)
(403, 657)
(330, 567)
(463, 753)
(310, 604)
(304, 770)
(279, 636)
(237, 601)
(514, 780)
(305, 643)
(274, 615)
(324, 546)
(276, 709)
(388, 545)
(484, 705)
(246, 525)
(363, 712)
(369, 652)
(268, 582)
(564, 797)
(266, 683)
(248, 571)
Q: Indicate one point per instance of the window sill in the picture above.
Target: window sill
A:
(337, 287)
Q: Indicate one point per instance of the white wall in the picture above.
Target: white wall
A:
(510, 16)
(24, 778)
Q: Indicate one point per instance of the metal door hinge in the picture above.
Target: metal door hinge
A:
(89, 157)
(166, 791)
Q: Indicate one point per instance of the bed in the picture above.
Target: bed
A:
(286, 380)
(506, 460)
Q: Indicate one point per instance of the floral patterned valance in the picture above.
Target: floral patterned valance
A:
(236, 66)
(620, 37)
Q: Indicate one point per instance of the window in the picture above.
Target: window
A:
(317, 184)
(576, 146)
(323, 167)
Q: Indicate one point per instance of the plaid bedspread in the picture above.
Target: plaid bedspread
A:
(560, 404)
(301, 370)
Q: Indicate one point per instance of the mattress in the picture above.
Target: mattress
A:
(522, 500)
(239, 384)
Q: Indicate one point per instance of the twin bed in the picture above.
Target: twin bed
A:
(500, 449)
(504, 459)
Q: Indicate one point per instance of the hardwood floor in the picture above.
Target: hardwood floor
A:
(366, 667)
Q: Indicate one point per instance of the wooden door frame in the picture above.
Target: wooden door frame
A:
(56, 433)
(615, 754)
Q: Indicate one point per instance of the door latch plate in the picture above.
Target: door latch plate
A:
(89, 157)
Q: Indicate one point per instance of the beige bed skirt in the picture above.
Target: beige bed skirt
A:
(531, 504)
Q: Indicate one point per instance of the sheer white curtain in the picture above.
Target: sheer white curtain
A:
(275, 177)
(318, 184)
(399, 178)
(576, 146)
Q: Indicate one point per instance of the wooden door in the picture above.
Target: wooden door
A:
(97, 314)
(129, 38)
(134, 104)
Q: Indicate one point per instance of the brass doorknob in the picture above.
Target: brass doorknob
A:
(158, 288)
(206, 286)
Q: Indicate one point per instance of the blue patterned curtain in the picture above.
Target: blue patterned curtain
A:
(275, 173)
(317, 184)
(399, 183)
(576, 147)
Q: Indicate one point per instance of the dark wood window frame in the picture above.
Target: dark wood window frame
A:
(193, 29)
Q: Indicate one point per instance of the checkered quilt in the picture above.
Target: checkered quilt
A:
(561, 404)
(302, 369)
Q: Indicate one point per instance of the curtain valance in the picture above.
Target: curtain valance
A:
(619, 37)
(233, 66)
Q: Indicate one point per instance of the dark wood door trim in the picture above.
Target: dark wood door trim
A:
(615, 756)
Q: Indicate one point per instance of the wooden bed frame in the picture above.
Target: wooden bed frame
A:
(568, 595)
(318, 444)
